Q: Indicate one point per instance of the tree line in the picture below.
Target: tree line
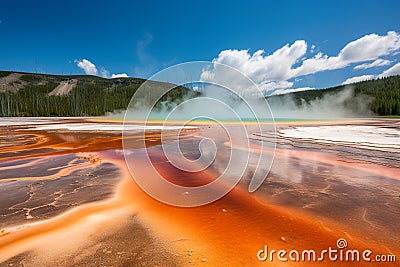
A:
(383, 94)
(96, 96)
(93, 96)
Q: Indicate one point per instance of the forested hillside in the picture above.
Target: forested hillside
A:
(383, 94)
(25, 94)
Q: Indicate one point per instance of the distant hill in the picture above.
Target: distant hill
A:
(383, 95)
(28, 94)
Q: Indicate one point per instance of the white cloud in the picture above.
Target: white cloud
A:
(370, 47)
(395, 70)
(376, 63)
(120, 75)
(273, 71)
(292, 90)
(358, 79)
(367, 48)
(276, 85)
(259, 67)
(267, 71)
(88, 67)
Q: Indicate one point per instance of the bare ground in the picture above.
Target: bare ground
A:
(11, 83)
(64, 87)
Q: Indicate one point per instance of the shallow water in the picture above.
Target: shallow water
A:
(55, 184)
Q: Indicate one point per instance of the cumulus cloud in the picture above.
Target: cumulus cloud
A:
(290, 61)
(367, 48)
(259, 67)
(276, 85)
(395, 70)
(359, 79)
(376, 63)
(88, 67)
(120, 75)
(292, 90)
(370, 47)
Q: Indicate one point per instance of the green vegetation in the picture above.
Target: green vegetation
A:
(93, 96)
(96, 96)
(383, 93)
(4, 73)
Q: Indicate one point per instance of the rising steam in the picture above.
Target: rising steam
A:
(337, 105)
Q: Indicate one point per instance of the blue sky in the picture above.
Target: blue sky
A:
(143, 37)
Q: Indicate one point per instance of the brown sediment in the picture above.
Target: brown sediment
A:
(30, 238)
(228, 232)
(46, 242)
(62, 172)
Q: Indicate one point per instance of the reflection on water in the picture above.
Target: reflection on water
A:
(314, 194)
